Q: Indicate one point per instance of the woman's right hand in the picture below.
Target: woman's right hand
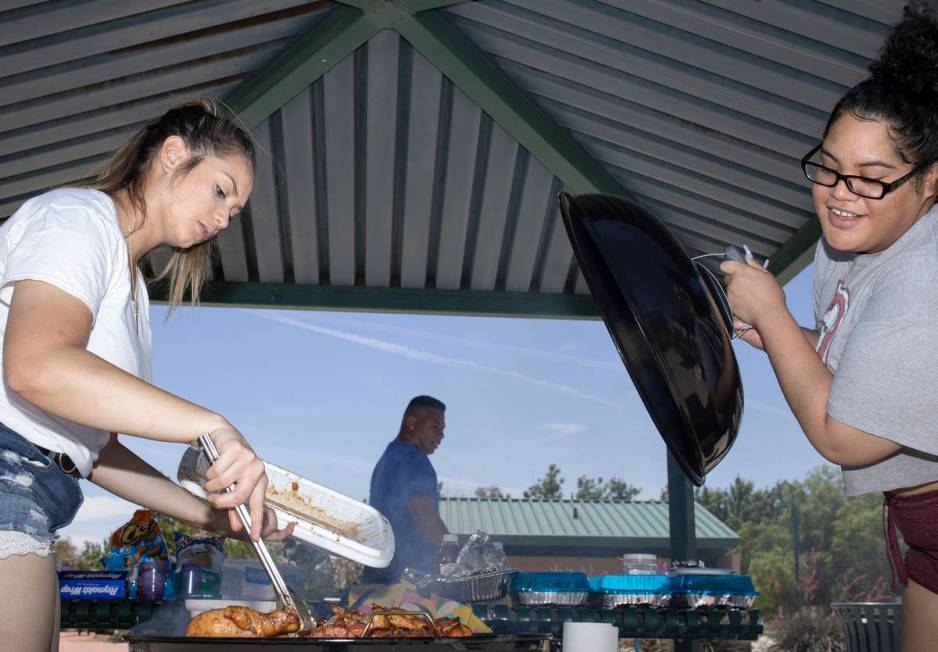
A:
(237, 465)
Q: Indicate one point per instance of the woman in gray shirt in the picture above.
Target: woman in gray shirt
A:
(864, 383)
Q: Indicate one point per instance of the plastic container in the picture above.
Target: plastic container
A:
(640, 563)
(193, 581)
(151, 579)
(646, 590)
(449, 550)
(561, 589)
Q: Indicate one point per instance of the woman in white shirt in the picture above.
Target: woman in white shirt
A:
(76, 348)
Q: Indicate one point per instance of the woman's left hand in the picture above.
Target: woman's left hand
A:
(753, 293)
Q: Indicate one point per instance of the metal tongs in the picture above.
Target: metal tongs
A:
(286, 596)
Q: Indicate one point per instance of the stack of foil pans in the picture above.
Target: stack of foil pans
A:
(474, 588)
(560, 589)
(632, 590)
(712, 588)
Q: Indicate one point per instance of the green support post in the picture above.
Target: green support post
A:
(681, 513)
(682, 528)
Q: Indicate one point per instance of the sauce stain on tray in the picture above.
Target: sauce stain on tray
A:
(291, 500)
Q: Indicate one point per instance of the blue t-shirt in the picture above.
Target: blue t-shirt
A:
(402, 473)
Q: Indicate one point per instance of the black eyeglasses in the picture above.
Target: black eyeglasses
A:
(862, 186)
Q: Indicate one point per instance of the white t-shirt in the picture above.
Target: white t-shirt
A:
(70, 238)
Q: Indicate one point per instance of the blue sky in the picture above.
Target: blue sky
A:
(321, 393)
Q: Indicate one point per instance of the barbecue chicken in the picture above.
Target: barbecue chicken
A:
(243, 622)
(386, 623)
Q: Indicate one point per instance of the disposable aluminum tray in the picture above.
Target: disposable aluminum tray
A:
(714, 600)
(559, 598)
(475, 588)
(613, 600)
(706, 588)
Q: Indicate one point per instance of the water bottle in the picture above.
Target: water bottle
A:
(449, 550)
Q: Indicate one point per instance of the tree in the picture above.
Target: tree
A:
(589, 488)
(600, 489)
(618, 489)
(491, 491)
(739, 503)
(549, 487)
(90, 556)
(65, 553)
(68, 556)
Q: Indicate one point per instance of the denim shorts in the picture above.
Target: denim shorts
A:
(36, 497)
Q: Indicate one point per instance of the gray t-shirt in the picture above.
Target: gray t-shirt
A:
(877, 315)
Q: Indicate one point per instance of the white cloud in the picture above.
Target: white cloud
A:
(354, 463)
(768, 408)
(469, 485)
(560, 431)
(432, 358)
(557, 356)
(96, 508)
(565, 428)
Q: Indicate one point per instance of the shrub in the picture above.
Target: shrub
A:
(809, 629)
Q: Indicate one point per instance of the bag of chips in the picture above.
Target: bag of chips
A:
(136, 541)
(138, 547)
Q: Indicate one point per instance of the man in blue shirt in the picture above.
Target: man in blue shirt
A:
(404, 489)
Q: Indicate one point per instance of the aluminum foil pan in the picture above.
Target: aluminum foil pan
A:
(475, 588)
(613, 600)
(735, 601)
(559, 598)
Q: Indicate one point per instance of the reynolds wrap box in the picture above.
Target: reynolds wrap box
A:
(93, 584)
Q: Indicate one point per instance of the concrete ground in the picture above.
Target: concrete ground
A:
(74, 641)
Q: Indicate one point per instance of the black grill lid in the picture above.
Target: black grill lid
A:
(668, 322)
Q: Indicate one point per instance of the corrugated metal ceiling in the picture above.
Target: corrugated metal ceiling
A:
(383, 174)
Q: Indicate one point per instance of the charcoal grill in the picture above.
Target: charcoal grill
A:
(481, 642)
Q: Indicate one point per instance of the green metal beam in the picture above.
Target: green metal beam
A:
(473, 72)
(331, 41)
(410, 6)
(414, 6)
(398, 300)
(796, 253)
(364, 5)
(421, 24)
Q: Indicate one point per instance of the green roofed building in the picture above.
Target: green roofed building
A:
(587, 535)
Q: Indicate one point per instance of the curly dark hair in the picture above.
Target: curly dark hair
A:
(902, 89)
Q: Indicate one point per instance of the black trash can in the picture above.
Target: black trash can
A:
(870, 626)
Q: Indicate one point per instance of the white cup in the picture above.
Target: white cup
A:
(590, 637)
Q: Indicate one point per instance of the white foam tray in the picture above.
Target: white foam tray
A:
(373, 543)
